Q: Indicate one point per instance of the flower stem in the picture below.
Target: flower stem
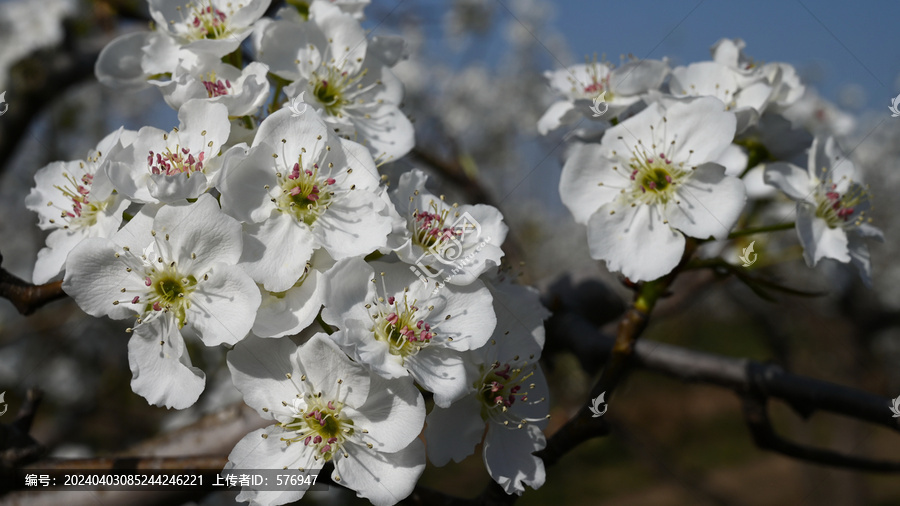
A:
(276, 97)
(633, 324)
(761, 230)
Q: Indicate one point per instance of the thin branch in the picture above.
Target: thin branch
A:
(25, 296)
(17, 448)
(756, 414)
(761, 230)
(805, 395)
(633, 324)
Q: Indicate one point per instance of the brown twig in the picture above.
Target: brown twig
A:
(25, 296)
(756, 415)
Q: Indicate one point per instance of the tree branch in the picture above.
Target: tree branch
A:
(27, 297)
(756, 414)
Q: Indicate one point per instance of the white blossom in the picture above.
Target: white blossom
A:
(172, 268)
(651, 181)
(75, 200)
(169, 167)
(579, 85)
(242, 91)
(833, 208)
(450, 243)
(300, 188)
(346, 77)
(510, 396)
(399, 327)
(327, 409)
(184, 29)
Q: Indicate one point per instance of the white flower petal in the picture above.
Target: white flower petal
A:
(292, 311)
(509, 460)
(245, 176)
(330, 371)
(394, 414)
(382, 478)
(348, 290)
(558, 114)
(441, 371)
(579, 184)
(161, 367)
(119, 63)
(453, 432)
(711, 203)
(859, 256)
(353, 225)
(255, 452)
(224, 306)
(258, 368)
(734, 159)
(818, 240)
(94, 277)
(276, 251)
(634, 241)
(790, 179)
(198, 234)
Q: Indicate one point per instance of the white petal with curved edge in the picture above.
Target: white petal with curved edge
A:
(254, 451)
(394, 414)
(329, 370)
(790, 179)
(224, 306)
(441, 371)
(453, 432)
(818, 240)
(634, 241)
(387, 131)
(290, 312)
(859, 256)
(634, 78)
(382, 478)
(170, 189)
(509, 460)
(353, 225)
(258, 367)
(244, 178)
(711, 203)
(198, 235)
(734, 159)
(52, 259)
(276, 251)
(94, 277)
(161, 367)
(579, 184)
(558, 114)
(119, 62)
(349, 290)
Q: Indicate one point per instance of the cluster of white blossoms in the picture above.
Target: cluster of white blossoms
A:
(682, 152)
(261, 222)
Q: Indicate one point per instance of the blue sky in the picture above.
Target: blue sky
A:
(834, 43)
